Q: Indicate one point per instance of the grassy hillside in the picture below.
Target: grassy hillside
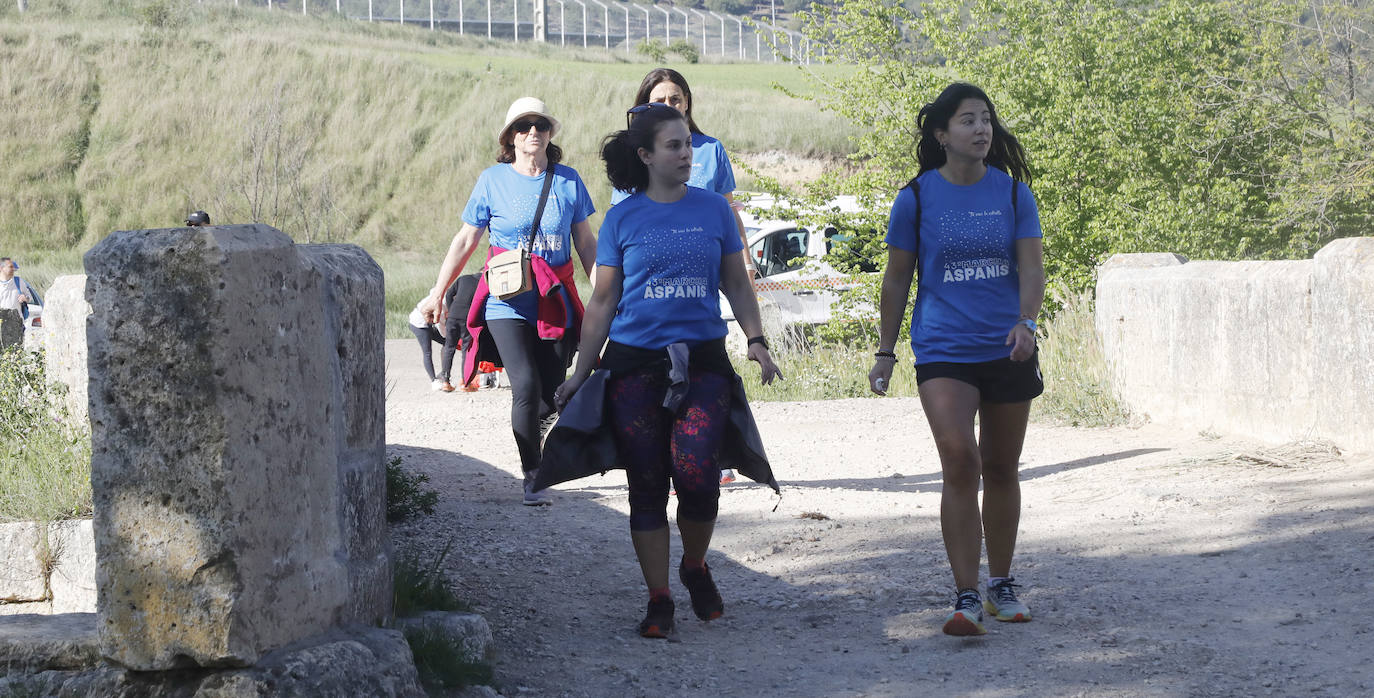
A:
(127, 114)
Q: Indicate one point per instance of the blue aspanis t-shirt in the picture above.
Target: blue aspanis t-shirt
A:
(503, 201)
(670, 256)
(710, 168)
(968, 295)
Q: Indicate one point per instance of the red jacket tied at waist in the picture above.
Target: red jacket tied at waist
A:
(557, 291)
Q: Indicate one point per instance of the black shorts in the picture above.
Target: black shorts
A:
(999, 380)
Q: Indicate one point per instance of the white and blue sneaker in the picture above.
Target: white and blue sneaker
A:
(1002, 603)
(967, 618)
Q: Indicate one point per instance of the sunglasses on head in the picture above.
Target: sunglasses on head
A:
(634, 111)
(524, 125)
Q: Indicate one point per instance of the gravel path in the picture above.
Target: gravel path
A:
(1156, 560)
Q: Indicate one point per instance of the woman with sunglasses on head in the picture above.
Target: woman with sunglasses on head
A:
(667, 392)
(534, 332)
(968, 227)
(711, 168)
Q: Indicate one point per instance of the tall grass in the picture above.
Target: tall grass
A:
(330, 129)
(45, 455)
(1078, 389)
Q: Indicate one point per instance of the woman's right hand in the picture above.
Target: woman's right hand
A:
(563, 393)
(432, 308)
(880, 377)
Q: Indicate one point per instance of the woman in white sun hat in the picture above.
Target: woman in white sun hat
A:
(532, 334)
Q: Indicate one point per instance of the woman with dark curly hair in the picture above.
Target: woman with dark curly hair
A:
(968, 227)
(711, 168)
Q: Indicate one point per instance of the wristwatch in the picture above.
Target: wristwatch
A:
(1028, 323)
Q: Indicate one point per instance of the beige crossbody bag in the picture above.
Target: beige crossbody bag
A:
(509, 273)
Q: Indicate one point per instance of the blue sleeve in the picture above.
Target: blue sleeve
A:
(608, 252)
(729, 231)
(478, 211)
(725, 175)
(1027, 213)
(584, 208)
(901, 225)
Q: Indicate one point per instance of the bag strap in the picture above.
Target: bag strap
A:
(539, 210)
(916, 190)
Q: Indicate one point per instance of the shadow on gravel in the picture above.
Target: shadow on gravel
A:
(1132, 602)
(1149, 601)
(930, 482)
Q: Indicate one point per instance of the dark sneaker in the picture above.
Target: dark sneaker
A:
(706, 601)
(967, 618)
(1003, 604)
(658, 622)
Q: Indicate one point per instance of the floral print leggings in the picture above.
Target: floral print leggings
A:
(656, 445)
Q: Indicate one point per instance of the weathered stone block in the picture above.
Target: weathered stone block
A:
(344, 663)
(72, 580)
(355, 326)
(33, 643)
(217, 405)
(64, 330)
(22, 577)
(468, 630)
(1343, 317)
(1274, 350)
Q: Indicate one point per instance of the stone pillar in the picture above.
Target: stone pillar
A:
(235, 398)
(64, 339)
(355, 329)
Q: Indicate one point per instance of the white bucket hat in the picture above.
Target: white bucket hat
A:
(527, 106)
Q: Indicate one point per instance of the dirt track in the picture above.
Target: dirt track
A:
(1156, 560)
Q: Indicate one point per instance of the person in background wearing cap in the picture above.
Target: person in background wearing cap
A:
(535, 333)
(198, 219)
(14, 294)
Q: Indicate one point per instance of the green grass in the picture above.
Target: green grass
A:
(407, 493)
(45, 455)
(329, 129)
(823, 373)
(1078, 388)
(418, 587)
(441, 662)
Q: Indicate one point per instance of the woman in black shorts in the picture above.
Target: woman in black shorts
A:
(970, 224)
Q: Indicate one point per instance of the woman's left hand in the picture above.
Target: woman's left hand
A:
(563, 393)
(758, 353)
(1022, 342)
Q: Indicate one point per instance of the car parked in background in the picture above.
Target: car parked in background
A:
(35, 318)
(795, 286)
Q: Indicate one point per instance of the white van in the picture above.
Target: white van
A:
(795, 282)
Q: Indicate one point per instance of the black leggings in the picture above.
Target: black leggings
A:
(428, 335)
(536, 367)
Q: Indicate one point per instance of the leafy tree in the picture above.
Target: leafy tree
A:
(654, 49)
(1216, 130)
(684, 48)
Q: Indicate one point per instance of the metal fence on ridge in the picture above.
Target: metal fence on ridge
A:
(614, 26)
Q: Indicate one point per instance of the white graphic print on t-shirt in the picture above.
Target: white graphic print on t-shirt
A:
(973, 245)
(669, 252)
